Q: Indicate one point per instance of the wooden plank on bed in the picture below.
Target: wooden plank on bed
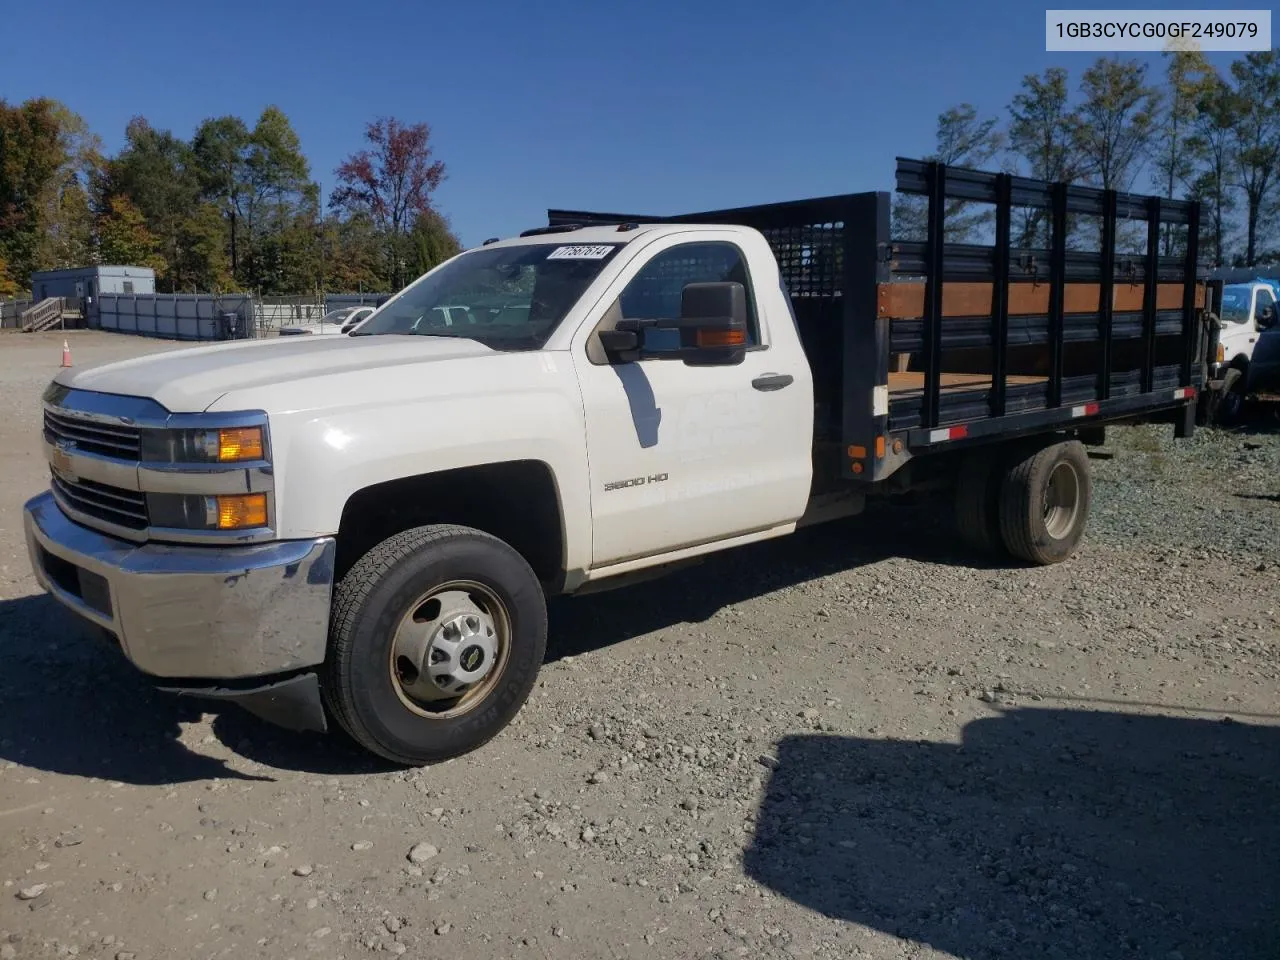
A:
(905, 301)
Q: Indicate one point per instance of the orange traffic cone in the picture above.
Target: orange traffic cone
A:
(66, 354)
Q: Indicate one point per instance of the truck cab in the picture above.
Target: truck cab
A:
(1248, 360)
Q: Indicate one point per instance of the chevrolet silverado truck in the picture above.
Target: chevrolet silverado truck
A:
(361, 531)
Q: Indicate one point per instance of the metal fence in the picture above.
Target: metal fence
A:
(336, 301)
(177, 316)
(11, 312)
(203, 316)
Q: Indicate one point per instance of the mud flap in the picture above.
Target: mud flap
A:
(1184, 426)
(293, 703)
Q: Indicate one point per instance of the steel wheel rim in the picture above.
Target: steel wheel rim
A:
(424, 648)
(1061, 500)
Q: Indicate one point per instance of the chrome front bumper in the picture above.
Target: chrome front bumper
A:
(190, 612)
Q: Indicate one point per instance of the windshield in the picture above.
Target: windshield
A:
(1235, 304)
(508, 298)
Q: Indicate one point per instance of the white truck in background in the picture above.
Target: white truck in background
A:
(362, 530)
(1248, 356)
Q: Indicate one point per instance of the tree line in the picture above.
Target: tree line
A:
(1193, 132)
(232, 209)
(235, 208)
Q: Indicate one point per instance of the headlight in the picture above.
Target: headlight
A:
(224, 445)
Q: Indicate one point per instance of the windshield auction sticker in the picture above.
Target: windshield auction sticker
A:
(581, 251)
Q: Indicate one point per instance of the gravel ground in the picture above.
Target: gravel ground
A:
(857, 741)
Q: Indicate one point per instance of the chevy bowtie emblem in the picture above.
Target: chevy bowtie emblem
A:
(60, 460)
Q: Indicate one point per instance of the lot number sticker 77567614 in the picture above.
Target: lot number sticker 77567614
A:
(581, 251)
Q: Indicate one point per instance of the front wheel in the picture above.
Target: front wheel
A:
(436, 639)
(1231, 405)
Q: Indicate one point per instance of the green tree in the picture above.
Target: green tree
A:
(1042, 124)
(154, 171)
(1256, 137)
(1213, 143)
(432, 242)
(1116, 121)
(261, 180)
(204, 265)
(124, 238)
(65, 214)
(962, 138)
(1188, 76)
(353, 255)
(219, 152)
(35, 172)
(9, 286)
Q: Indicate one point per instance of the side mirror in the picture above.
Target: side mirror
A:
(1267, 317)
(711, 329)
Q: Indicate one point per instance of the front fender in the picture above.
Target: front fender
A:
(531, 410)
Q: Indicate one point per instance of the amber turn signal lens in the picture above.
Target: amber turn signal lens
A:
(240, 443)
(722, 338)
(242, 511)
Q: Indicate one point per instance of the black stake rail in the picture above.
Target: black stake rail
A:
(937, 177)
(1191, 329)
(1000, 296)
(1149, 293)
(1107, 297)
(1057, 281)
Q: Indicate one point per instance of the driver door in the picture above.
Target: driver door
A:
(682, 455)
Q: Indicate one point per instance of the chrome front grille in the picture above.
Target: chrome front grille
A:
(93, 436)
(99, 501)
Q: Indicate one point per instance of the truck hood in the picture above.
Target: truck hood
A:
(190, 381)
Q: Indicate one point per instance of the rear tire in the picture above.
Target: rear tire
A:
(977, 502)
(1044, 503)
(467, 600)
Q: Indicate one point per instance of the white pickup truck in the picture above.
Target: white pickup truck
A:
(362, 530)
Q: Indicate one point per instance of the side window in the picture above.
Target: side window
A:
(654, 292)
(1264, 299)
(128, 286)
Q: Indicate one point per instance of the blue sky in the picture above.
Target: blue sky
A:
(657, 106)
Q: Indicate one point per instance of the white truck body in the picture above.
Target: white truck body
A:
(1250, 339)
(363, 528)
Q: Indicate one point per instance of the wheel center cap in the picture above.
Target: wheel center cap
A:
(472, 658)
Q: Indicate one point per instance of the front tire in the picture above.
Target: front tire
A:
(1044, 503)
(1231, 405)
(435, 643)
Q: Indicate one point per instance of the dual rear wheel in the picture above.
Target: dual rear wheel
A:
(1031, 502)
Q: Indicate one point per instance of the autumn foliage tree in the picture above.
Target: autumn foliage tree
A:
(124, 238)
(391, 181)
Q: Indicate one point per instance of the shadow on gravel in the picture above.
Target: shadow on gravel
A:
(72, 705)
(919, 532)
(1046, 833)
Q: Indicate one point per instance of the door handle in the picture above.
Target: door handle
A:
(772, 381)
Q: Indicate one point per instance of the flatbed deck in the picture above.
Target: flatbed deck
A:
(911, 384)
